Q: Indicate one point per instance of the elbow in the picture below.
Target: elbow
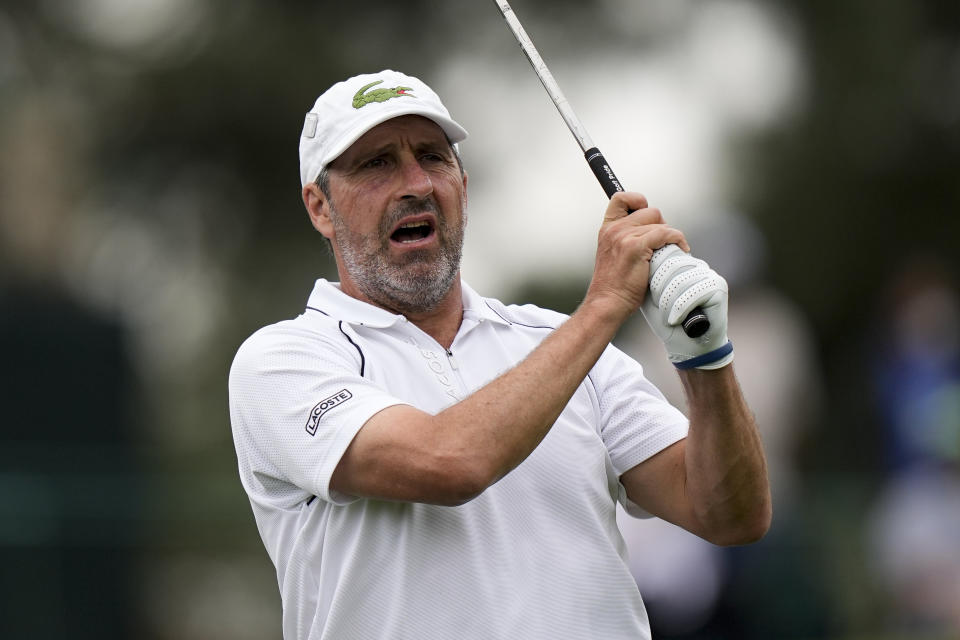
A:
(459, 492)
(746, 529)
(748, 533)
(457, 499)
(460, 482)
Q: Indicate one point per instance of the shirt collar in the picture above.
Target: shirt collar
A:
(328, 298)
(476, 307)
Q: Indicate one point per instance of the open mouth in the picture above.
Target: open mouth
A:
(412, 232)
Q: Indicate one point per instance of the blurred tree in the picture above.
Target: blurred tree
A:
(861, 180)
(168, 158)
(70, 477)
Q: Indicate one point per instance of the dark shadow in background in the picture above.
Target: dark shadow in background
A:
(68, 473)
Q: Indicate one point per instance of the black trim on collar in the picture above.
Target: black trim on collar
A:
(509, 321)
(363, 360)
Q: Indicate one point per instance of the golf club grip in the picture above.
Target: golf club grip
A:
(696, 323)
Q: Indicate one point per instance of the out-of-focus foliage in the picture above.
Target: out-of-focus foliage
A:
(150, 219)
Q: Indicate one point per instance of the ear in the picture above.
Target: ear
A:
(318, 209)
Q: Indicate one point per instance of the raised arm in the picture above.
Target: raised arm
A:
(402, 453)
(713, 483)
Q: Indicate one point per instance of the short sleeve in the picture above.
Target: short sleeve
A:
(636, 420)
(297, 399)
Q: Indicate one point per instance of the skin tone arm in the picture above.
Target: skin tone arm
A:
(404, 454)
(714, 482)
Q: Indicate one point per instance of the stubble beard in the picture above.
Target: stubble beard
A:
(413, 284)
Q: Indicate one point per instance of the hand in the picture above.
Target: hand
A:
(678, 284)
(625, 247)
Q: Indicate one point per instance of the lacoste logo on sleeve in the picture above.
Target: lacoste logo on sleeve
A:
(323, 406)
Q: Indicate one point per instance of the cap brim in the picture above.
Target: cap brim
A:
(454, 132)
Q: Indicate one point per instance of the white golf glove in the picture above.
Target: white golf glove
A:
(679, 283)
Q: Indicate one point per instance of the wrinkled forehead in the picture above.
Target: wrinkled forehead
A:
(413, 130)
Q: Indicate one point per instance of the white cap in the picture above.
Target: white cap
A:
(349, 109)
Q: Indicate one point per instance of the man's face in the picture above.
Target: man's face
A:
(398, 209)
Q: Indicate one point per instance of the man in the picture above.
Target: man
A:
(423, 462)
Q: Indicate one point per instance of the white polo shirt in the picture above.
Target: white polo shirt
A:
(536, 556)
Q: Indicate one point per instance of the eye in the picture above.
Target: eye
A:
(432, 156)
(375, 163)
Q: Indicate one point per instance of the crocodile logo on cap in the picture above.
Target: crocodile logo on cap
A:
(363, 97)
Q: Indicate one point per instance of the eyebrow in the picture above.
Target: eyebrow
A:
(442, 145)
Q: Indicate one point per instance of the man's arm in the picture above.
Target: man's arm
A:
(714, 482)
(402, 453)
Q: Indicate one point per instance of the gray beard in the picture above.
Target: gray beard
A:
(419, 282)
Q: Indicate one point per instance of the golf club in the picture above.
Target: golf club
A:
(696, 322)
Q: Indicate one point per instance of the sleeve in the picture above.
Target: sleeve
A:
(636, 420)
(297, 400)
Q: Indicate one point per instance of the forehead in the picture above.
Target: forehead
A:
(410, 129)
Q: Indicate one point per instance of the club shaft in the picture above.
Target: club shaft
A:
(540, 68)
(696, 322)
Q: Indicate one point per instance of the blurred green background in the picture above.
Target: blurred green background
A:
(150, 219)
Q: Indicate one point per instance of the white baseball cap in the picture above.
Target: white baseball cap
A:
(349, 109)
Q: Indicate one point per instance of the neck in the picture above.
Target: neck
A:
(441, 322)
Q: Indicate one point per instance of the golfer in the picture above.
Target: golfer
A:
(424, 462)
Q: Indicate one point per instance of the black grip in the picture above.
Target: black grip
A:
(696, 323)
(603, 171)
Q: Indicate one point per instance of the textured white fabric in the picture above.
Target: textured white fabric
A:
(537, 555)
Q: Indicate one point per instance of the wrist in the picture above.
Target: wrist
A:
(610, 309)
(713, 359)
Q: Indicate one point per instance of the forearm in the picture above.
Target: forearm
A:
(406, 454)
(402, 453)
(726, 472)
(503, 422)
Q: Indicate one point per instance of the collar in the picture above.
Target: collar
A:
(328, 298)
(477, 308)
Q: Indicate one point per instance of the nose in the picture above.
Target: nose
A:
(416, 182)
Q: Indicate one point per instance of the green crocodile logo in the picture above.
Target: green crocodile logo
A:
(362, 98)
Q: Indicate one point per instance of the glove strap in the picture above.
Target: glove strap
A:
(706, 358)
